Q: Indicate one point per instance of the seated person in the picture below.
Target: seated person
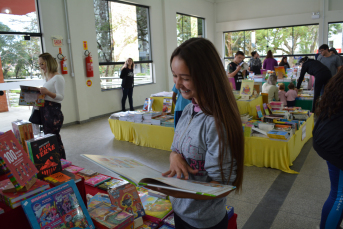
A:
(271, 89)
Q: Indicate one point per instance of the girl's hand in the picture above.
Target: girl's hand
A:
(44, 91)
(179, 166)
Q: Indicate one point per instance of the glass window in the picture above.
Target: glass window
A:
(122, 32)
(188, 27)
(287, 41)
(335, 38)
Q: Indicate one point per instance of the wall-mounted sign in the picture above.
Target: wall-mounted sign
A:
(85, 46)
(57, 41)
(89, 83)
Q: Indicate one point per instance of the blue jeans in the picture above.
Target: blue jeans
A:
(332, 212)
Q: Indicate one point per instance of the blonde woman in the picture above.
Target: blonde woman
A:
(53, 89)
(127, 83)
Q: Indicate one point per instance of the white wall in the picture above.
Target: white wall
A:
(81, 102)
(251, 14)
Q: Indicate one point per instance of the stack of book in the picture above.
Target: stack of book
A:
(74, 169)
(118, 115)
(65, 163)
(97, 180)
(168, 123)
(279, 135)
(62, 177)
(159, 119)
(147, 116)
(276, 105)
(138, 117)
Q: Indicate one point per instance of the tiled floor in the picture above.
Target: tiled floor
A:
(300, 207)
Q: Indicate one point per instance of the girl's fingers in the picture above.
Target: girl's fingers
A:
(166, 173)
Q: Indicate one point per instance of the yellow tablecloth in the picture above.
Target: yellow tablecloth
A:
(261, 152)
(250, 106)
(157, 104)
(158, 137)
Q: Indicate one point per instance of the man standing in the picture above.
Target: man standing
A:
(334, 51)
(333, 62)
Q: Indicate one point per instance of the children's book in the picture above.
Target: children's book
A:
(148, 104)
(230, 211)
(167, 105)
(31, 96)
(108, 184)
(282, 135)
(62, 177)
(23, 131)
(59, 207)
(156, 209)
(141, 174)
(74, 169)
(147, 224)
(247, 88)
(98, 198)
(11, 198)
(44, 153)
(15, 162)
(125, 196)
(259, 112)
(87, 172)
(266, 110)
(65, 163)
(157, 194)
(106, 216)
(86, 177)
(98, 179)
(169, 221)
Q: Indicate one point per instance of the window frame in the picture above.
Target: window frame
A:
(136, 62)
(188, 15)
(335, 22)
(266, 28)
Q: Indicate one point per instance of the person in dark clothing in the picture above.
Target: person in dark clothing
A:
(255, 63)
(328, 142)
(234, 69)
(284, 63)
(320, 72)
(127, 83)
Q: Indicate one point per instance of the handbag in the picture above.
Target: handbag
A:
(35, 117)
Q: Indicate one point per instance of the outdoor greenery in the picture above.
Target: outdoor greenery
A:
(188, 27)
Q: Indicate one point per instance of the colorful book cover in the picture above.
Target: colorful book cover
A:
(23, 131)
(86, 177)
(87, 172)
(65, 163)
(62, 177)
(283, 135)
(156, 209)
(98, 198)
(15, 162)
(108, 184)
(167, 105)
(106, 215)
(266, 110)
(259, 112)
(74, 169)
(230, 211)
(31, 96)
(169, 221)
(247, 88)
(44, 153)
(148, 104)
(96, 180)
(13, 197)
(125, 195)
(59, 207)
(147, 224)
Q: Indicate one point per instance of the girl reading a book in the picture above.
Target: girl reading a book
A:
(328, 143)
(53, 89)
(208, 144)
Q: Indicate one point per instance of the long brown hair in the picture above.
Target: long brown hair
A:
(216, 99)
(269, 54)
(126, 65)
(332, 100)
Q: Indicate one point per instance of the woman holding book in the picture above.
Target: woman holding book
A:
(208, 144)
(328, 142)
(53, 89)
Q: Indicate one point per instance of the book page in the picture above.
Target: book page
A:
(124, 166)
(30, 97)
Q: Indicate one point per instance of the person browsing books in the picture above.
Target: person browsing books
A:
(53, 89)
(127, 83)
(234, 69)
(291, 94)
(208, 143)
(328, 143)
(179, 101)
(320, 72)
(269, 63)
(270, 88)
(255, 63)
(284, 62)
(282, 94)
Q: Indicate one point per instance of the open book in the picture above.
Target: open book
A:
(141, 174)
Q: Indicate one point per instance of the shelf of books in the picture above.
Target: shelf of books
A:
(40, 190)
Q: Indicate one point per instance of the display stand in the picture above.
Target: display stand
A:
(245, 107)
(157, 104)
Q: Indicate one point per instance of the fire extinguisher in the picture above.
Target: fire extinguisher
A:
(89, 64)
(63, 63)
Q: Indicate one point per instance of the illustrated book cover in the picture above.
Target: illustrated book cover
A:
(74, 169)
(62, 177)
(98, 179)
(167, 105)
(141, 174)
(31, 96)
(65, 163)
(156, 209)
(59, 207)
(259, 112)
(247, 88)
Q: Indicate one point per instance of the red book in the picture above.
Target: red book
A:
(15, 161)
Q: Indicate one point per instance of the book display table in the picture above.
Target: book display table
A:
(16, 218)
(305, 104)
(158, 137)
(263, 152)
(249, 106)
